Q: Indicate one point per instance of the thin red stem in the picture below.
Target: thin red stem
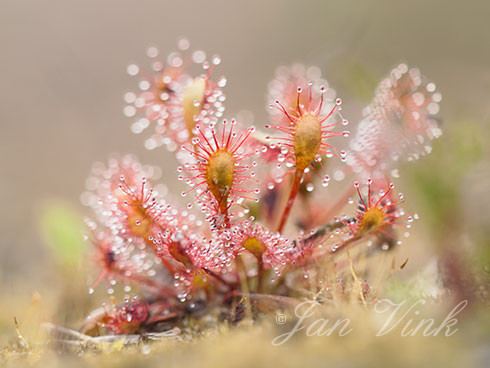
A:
(294, 191)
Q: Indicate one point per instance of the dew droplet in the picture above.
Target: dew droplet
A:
(133, 69)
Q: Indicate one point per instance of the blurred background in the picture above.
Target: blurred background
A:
(63, 76)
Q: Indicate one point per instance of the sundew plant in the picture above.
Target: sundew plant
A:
(269, 216)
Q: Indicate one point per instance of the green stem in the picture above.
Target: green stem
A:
(260, 274)
(242, 275)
